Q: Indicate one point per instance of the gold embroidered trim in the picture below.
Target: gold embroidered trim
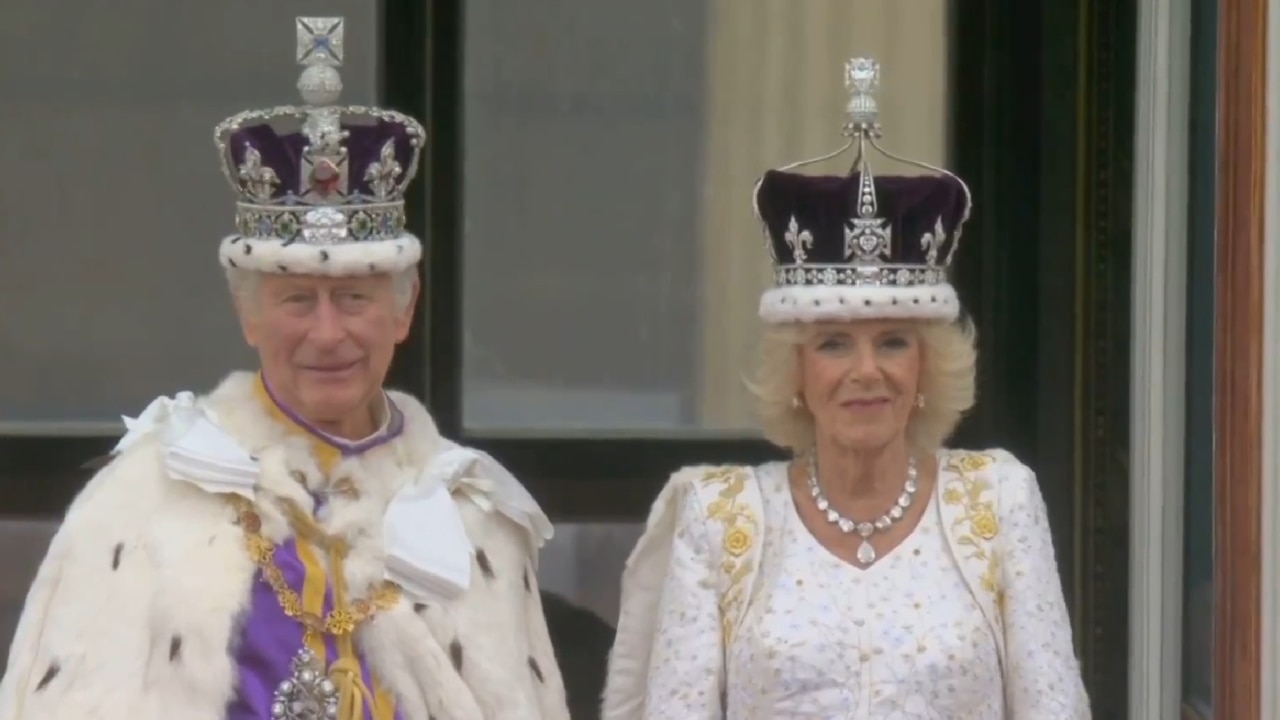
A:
(740, 528)
(343, 619)
(969, 491)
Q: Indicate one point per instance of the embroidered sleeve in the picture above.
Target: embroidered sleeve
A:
(686, 667)
(1043, 679)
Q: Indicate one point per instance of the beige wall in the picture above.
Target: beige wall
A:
(776, 95)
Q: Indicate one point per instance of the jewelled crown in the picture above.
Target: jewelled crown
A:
(857, 246)
(320, 187)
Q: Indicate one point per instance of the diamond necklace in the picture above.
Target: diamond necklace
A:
(866, 554)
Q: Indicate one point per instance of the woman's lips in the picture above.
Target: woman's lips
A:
(865, 403)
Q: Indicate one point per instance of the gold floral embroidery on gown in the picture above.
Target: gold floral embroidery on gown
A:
(903, 640)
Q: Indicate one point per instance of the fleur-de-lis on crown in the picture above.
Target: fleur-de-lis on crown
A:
(381, 175)
(259, 180)
(931, 242)
(799, 240)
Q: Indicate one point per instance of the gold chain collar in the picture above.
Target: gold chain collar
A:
(344, 618)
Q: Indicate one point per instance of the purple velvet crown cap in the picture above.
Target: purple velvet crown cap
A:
(848, 249)
(283, 153)
(825, 206)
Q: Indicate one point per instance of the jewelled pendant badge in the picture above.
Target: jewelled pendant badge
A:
(307, 694)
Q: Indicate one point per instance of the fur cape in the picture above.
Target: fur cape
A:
(135, 611)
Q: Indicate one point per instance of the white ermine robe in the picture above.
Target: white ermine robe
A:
(144, 607)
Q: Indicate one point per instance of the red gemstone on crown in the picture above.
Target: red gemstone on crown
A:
(324, 178)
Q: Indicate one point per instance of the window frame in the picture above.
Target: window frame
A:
(1239, 357)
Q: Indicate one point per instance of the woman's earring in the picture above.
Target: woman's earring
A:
(919, 400)
(795, 402)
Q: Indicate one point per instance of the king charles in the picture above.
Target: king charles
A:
(299, 544)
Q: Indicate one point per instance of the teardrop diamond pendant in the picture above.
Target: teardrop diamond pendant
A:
(866, 553)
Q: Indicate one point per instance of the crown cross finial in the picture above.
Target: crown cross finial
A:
(862, 80)
(320, 52)
(320, 40)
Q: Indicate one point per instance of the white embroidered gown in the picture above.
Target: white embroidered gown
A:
(903, 639)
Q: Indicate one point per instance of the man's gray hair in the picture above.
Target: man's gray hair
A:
(243, 284)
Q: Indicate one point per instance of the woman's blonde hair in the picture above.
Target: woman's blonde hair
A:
(948, 375)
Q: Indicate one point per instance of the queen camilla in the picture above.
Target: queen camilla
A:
(879, 574)
(298, 544)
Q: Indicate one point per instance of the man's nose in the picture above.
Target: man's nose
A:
(328, 323)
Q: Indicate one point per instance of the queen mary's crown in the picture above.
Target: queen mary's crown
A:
(860, 245)
(319, 186)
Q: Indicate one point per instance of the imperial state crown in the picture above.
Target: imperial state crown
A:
(853, 246)
(320, 187)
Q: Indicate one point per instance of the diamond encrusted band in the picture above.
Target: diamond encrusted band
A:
(321, 225)
(853, 276)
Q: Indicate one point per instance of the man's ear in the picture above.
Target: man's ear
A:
(248, 321)
(404, 322)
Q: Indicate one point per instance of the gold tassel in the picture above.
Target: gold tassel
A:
(353, 694)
